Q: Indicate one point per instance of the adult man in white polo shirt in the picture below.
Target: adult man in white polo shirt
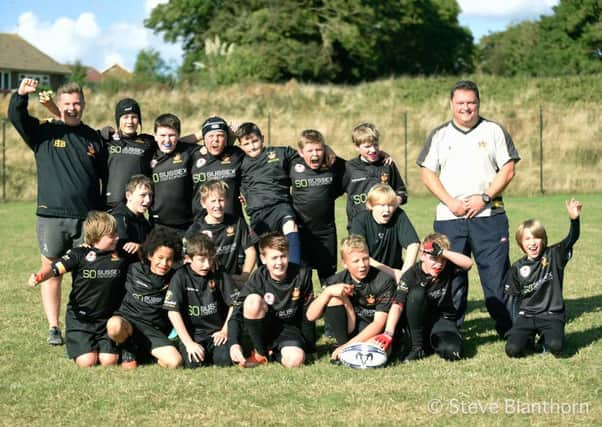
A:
(466, 163)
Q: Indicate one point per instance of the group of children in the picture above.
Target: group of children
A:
(189, 266)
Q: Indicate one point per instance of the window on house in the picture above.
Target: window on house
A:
(44, 79)
(5, 80)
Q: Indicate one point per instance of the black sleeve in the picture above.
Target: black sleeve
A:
(385, 297)
(338, 170)
(26, 125)
(229, 290)
(235, 326)
(174, 298)
(68, 262)
(398, 185)
(567, 244)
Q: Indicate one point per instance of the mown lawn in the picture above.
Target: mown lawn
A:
(39, 386)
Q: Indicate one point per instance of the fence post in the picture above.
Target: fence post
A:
(541, 189)
(3, 160)
(405, 147)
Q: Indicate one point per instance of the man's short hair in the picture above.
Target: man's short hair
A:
(310, 136)
(248, 128)
(217, 186)
(200, 244)
(168, 120)
(98, 224)
(365, 132)
(273, 240)
(139, 180)
(465, 85)
(381, 194)
(71, 87)
(353, 242)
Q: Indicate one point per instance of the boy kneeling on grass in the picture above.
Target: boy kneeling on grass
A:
(140, 325)
(98, 276)
(424, 292)
(537, 281)
(199, 303)
(355, 301)
(272, 309)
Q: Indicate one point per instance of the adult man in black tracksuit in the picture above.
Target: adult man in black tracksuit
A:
(70, 160)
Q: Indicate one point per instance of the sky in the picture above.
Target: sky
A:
(101, 33)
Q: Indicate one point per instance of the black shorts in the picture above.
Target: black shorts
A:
(280, 334)
(271, 218)
(87, 336)
(320, 250)
(216, 355)
(147, 337)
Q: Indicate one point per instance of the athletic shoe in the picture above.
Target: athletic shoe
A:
(54, 336)
(128, 360)
(255, 359)
(416, 353)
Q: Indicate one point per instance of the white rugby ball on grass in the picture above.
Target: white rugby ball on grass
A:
(363, 356)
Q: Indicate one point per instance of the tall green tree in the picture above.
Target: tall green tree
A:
(150, 67)
(316, 40)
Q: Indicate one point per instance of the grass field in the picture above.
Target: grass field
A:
(39, 386)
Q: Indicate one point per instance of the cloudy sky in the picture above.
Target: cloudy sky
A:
(104, 32)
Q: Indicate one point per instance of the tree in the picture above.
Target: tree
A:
(150, 67)
(316, 40)
(78, 73)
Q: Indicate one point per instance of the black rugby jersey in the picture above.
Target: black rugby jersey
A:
(98, 280)
(361, 176)
(374, 293)
(203, 301)
(130, 227)
(386, 241)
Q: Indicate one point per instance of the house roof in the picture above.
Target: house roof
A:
(116, 71)
(93, 75)
(18, 54)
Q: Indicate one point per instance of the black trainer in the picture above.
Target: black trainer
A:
(416, 353)
(54, 336)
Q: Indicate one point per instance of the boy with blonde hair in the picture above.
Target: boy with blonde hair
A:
(367, 169)
(388, 231)
(98, 286)
(537, 281)
(356, 300)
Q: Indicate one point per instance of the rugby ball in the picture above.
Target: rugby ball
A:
(363, 356)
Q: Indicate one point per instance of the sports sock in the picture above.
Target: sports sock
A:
(336, 317)
(256, 329)
(294, 247)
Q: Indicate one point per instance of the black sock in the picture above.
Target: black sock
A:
(416, 314)
(256, 329)
(336, 317)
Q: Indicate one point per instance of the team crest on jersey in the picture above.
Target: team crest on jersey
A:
(544, 262)
(384, 178)
(91, 256)
(296, 294)
(524, 271)
(482, 144)
(115, 257)
(168, 295)
(138, 141)
(230, 230)
(91, 151)
(370, 299)
(153, 163)
(208, 233)
(269, 298)
(177, 158)
(200, 163)
(226, 160)
(211, 284)
(203, 150)
(272, 157)
(299, 168)
(402, 286)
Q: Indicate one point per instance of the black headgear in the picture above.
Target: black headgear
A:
(215, 123)
(127, 106)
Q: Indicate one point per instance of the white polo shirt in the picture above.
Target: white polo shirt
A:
(467, 161)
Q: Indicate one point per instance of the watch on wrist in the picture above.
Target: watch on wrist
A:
(486, 198)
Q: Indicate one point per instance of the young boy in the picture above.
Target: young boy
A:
(272, 307)
(315, 187)
(132, 225)
(369, 168)
(266, 187)
(424, 292)
(218, 159)
(388, 230)
(355, 301)
(234, 242)
(140, 325)
(537, 280)
(171, 173)
(98, 276)
(199, 302)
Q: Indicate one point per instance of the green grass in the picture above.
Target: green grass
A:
(39, 386)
